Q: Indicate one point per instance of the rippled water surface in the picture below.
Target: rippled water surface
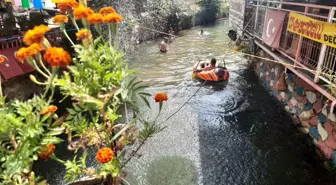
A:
(226, 135)
(234, 135)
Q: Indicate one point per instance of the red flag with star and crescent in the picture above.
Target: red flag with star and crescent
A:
(273, 27)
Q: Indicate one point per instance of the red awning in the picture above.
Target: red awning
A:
(12, 67)
(9, 68)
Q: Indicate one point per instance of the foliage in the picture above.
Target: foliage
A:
(100, 86)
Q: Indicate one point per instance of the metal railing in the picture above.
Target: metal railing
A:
(55, 37)
(302, 51)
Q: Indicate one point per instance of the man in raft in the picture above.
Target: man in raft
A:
(207, 68)
(163, 45)
(210, 67)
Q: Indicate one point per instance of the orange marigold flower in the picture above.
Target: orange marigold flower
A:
(58, 19)
(83, 34)
(160, 97)
(35, 48)
(107, 10)
(2, 59)
(57, 57)
(112, 18)
(50, 109)
(104, 155)
(26, 52)
(96, 18)
(82, 12)
(47, 151)
(67, 5)
(36, 35)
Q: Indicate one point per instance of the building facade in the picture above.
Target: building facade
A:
(296, 41)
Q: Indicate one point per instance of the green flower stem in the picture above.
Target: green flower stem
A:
(110, 34)
(83, 2)
(51, 79)
(66, 34)
(33, 79)
(1, 95)
(95, 126)
(53, 156)
(98, 29)
(73, 20)
(116, 36)
(46, 43)
(33, 63)
(86, 24)
(39, 56)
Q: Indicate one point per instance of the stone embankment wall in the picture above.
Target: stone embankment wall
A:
(309, 108)
(159, 15)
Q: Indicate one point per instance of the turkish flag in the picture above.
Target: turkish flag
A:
(273, 27)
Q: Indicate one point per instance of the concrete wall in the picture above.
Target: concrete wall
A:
(309, 109)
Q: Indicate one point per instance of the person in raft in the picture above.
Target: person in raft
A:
(210, 67)
(163, 45)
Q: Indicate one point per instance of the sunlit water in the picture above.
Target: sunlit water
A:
(226, 135)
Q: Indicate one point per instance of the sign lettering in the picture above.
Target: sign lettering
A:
(313, 29)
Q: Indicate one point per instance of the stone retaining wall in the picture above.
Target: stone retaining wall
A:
(309, 108)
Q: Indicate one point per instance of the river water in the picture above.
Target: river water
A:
(236, 134)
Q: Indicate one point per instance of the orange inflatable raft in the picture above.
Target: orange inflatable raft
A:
(216, 75)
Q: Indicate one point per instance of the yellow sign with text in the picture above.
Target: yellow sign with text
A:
(313, 29)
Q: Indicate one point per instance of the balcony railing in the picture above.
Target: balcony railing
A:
(302, 51)
(10, 45)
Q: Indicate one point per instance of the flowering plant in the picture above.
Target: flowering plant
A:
(99, 85)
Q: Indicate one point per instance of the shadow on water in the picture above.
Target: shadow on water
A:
(257, 144)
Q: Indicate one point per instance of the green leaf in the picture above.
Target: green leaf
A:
(121, 131)
(56, 131)
(51, 140)
(72, 111)
(146, 101)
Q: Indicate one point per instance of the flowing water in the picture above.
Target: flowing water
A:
(231, 134)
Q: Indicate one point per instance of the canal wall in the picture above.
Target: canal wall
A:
(142, 17)
(309, 109)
